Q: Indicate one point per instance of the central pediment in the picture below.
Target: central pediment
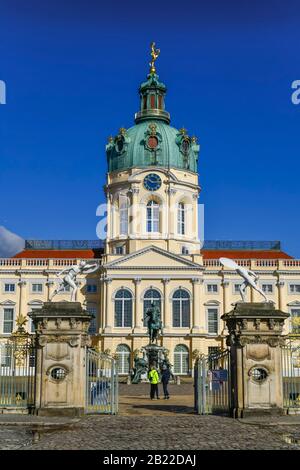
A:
(153, 257)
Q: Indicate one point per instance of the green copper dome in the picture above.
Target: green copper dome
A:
(152, 141)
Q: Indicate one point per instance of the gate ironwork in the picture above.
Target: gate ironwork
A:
(101, 383)
(290, 354)
(17, 374)
(212, 383)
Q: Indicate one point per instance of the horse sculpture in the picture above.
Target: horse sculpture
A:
(154, 322)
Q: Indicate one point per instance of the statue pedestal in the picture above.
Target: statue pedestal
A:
(61, 338)
(255, 340)
(155, 355)
(152, 355)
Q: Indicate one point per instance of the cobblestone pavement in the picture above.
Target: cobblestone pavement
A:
(14, 438)
(155, 425)
(176, 432)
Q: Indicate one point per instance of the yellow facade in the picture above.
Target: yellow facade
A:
(149, 268)
(164, 262)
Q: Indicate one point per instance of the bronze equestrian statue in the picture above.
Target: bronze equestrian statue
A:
(154, 322)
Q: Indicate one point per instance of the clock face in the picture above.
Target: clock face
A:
(152, 182)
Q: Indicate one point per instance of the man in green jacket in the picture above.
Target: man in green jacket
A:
(154, 379)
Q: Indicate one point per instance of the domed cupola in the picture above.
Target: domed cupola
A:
(152, 94)
(152, 141)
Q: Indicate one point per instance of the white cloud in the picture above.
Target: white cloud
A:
(10, 243)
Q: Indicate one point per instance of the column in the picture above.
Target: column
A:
(226, 307)
(138, 323)
(202, 309)
(79, 295)
(133, 227)
(280, 286)
(50, 289)
(108, 220)
(21, 284)
(167, 320)
(103, 305)
(108, 306)
(196, 305)
(172, 213)
(195, 221)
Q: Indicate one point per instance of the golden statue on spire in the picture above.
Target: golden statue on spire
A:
(154, 54)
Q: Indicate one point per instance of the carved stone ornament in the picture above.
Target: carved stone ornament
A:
(41, 341)
(73, 341)
(271, 341)
(73, 323)
(271, 324)
(86, 341)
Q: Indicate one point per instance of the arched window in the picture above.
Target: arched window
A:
(181, 219)
(151, 295)
(181, 308)
(152, 220)
(123, 214)
(181, 359)
(123, 308)
(123, 359)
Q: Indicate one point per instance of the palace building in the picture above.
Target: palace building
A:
(151, 252)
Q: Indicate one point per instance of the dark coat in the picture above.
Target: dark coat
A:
(166, 375)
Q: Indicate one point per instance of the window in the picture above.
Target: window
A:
(181, 308)
(32, 328)
(123, 359)
(119, 250)
(9, 287)
(91, 288)
(92, 310)
(212, 288)
(151, 295)
(267, 288)
(37, 288)
(212, 321)
(181, 359)
(294, 288)
(295, 320)
(123, 308)
(152, 216)
(184, 250)
(123, 213)
(236, 288)
(8, 320)
(5, 355)
(181, 219)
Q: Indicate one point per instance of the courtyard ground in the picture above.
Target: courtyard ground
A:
(150, 425)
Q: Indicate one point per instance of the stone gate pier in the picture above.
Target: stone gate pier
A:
(255, 339)
(61, 340)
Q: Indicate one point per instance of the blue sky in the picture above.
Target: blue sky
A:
(72, 70)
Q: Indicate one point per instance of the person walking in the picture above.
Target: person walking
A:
(165, 377)
(154, 379)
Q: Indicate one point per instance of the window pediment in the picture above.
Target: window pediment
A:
(8, 303)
